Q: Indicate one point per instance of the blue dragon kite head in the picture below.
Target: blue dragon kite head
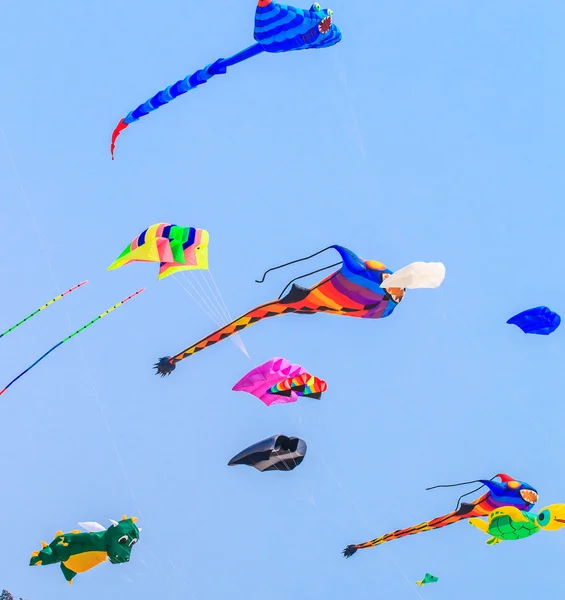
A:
(281, 28)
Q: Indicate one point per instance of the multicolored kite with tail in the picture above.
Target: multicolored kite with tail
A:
(278, 28)
(354, 290)
(507, 492)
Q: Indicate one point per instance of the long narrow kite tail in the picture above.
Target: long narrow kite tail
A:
(66, 293)
(167, 364)
(448, 519)
(182, 86)
(101, 316)
(165, 96)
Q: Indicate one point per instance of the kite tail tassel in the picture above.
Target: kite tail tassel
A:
(115, 134)
(165, 366)
(350, 550)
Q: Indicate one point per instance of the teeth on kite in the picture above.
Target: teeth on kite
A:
(164, 366)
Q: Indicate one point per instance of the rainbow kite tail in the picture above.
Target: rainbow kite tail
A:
(167, 364)
(75, 333)
(479, 508)
(44, 307)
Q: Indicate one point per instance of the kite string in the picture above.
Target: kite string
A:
(54, 277)
(292, 262)
(364, 520)
(93, 386)
(204, 295)
(203, 307)
(307, 275)
(206, 308)
(209, 309)
(28, 206)
(352, 502)
(222, 309)
(230, 318)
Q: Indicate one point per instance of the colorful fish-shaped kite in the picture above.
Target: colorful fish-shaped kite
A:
(175, 248)
(278, 381)
(507, 492)
(278, 28)
(354, 290)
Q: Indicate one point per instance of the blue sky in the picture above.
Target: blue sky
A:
(434, 131)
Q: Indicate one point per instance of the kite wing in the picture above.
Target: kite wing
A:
(354, 290)
(540, 320)
(92, 526)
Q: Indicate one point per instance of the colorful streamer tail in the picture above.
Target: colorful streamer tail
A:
(480, 508)
(44, 307)
(101, 316)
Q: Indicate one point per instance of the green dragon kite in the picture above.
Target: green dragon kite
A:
(79, 551)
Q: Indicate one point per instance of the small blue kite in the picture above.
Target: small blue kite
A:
(539, 320)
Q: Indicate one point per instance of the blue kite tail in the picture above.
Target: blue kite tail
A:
(181, 87)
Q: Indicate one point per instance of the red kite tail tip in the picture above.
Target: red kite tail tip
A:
(504, 478)
(119, 128)
(3, 391)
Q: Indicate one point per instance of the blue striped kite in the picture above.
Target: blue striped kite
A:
(278, 28)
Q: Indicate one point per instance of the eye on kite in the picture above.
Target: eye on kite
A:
(278, 28)
(276, 453)
(539, 320)
(278, 381)
(507, 492)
